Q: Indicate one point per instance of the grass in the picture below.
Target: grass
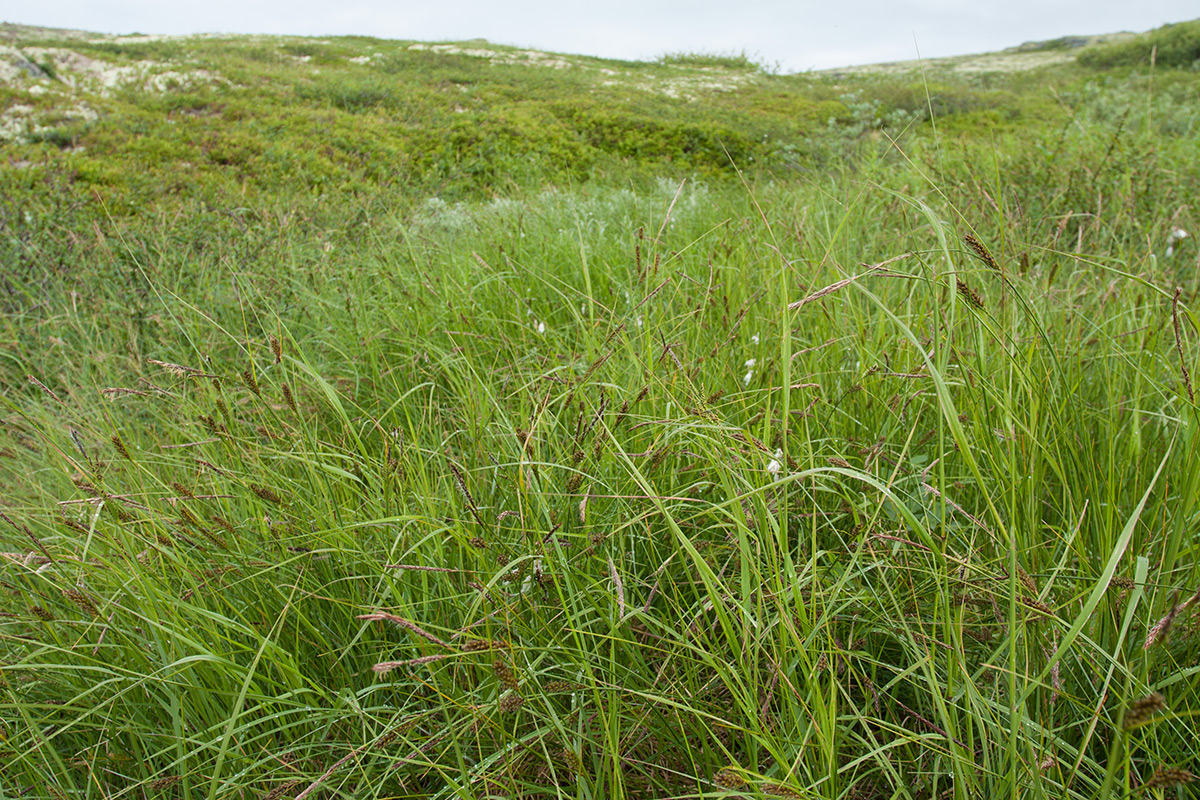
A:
(868, 470)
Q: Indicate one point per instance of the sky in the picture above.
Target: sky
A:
(790, 36)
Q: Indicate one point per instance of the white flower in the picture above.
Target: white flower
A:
(541, 327)
(750, 362)
(1177, 235)
(749, 376)
(754, 338)
(774, 467)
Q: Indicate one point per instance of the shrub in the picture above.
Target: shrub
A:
(1175, 45)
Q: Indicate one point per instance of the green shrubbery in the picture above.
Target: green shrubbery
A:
(1175, 45)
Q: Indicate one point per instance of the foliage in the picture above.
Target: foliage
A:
(1176, 45)
(358, 445)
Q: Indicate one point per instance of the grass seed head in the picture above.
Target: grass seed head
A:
(728, 778)
(266, 493)
(1166, 777)
(224, 524)
(505, 675)
(119, 446)
(251, 382)
(282, 790)
(510, 703)
(289, 399)
(981, 250)
(277, 350)
(967, 293)
(1163, 627)
(558, 687)
(1143, 710)
(82, 601)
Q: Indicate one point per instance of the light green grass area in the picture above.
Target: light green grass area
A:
(452, 424)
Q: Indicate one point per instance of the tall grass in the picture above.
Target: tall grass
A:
(868, 483)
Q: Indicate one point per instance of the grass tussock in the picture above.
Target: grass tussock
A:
(866, 476)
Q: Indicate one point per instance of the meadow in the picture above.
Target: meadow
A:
(389, 420)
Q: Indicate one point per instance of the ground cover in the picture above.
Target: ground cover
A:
(638, 430)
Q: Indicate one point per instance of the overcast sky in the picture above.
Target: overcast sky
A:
(797, 35)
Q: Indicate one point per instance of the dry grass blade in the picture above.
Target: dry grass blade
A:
(421, 568)
(381, 616)
(842, 284)
(384, 667)
(462, 487)
(47, 390)
(1187, 377)
(1161, 628)
(180, 370)
(616, 579)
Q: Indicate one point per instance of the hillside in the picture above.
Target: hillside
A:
(149, 114)
(390, 419)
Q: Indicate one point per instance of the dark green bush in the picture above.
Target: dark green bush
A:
(1175, 45)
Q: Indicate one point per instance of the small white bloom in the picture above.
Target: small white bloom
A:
(639, 320)
(749, 376)
(754, 338)
(1177, 235)
(541, 327)
(774, 467)
(750, 362)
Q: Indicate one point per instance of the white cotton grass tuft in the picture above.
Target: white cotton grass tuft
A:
(754, 338)
(1177, 235)
(774, 467)
(541, 328)
(749, 365)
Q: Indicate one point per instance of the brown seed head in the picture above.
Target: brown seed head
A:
(277, 350)
(81, 600)
(981, 250)
(251, 382)
(1143, 710)
(224, 524)
(282, 789)
(728, 778)
(266, 494)
(505, 675)
(557, 687)
(1167, 777)
(120, 447)
(289, 399)
(1161, 628)
(163, 783)
(509, 703)
(969, 294)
